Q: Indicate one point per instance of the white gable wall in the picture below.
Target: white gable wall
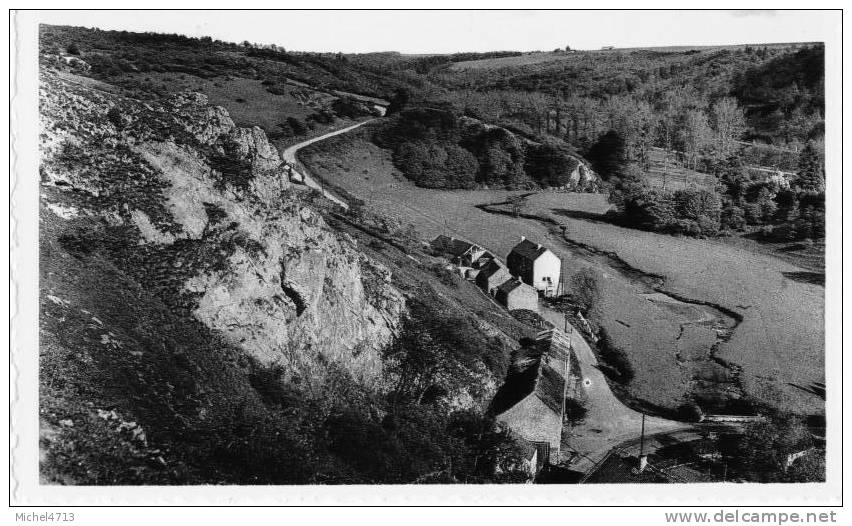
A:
(547, 265)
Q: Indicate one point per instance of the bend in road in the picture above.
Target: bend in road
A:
(289, 155)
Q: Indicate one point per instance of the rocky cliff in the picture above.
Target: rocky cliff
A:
(198, 212)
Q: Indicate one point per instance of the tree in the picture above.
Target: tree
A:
(609, 155)
(399, 100)
(73, 49)
(634, 121)
(811, 174)
(728, 122)
(694, 136)
(585, 288)
(460, 166)
(762, 451)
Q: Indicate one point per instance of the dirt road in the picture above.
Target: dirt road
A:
(608, 422)
(289, 155)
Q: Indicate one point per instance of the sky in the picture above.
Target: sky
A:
(453, 31)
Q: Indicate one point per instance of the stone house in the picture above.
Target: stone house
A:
(531, 402)
(513, 294)
(491, 276)
(536, 266)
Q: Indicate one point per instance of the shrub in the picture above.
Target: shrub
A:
(322, 117)
(298, 127)
(351, 108)
(73, 49)
(690, 412)
(114, 116)
(617, 364)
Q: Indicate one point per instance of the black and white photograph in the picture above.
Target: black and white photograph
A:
(477, 249)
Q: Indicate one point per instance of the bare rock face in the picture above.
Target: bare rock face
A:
(252, 261)
(204, 122)
(252, 145)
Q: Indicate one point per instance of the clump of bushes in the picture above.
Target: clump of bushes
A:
(437, 165)
(351, 108)
(690, 412)
(321, 117)
(435, 148)
(692, 212)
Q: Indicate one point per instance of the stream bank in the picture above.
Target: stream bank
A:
(715, 383)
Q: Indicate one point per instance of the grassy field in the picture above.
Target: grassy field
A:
(778, 345)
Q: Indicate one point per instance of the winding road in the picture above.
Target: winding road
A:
(289, 156)
(608, 424)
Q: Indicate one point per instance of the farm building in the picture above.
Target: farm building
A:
(536, 266)
(532, 400)
(513, 294)
(491, 276)
(478, 265)
(458, 251)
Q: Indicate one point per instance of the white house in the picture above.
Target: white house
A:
(536, 266)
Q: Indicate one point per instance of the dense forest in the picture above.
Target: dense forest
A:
(750, 117)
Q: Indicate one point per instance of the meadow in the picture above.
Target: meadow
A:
(777, 347)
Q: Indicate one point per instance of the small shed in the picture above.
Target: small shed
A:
(513, 294)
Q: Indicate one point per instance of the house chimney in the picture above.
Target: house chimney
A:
(523, 238)
(538, 246)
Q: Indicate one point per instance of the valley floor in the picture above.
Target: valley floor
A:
(777, 347)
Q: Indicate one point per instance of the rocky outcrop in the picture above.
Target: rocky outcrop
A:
(197, 210)
(577, 172)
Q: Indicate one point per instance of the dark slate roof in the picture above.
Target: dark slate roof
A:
(509, 285)
(492, 267)
(450, 245)
(484, 259)
(529, 250)
(539, 369)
